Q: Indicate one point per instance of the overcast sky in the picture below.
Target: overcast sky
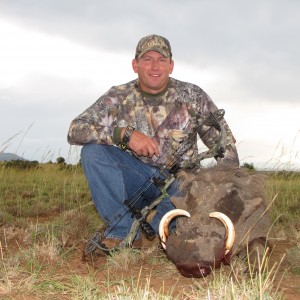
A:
(57, 57)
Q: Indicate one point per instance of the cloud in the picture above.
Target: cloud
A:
(258, 40)
(58, 57)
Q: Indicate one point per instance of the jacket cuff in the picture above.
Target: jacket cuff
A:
(117, 135)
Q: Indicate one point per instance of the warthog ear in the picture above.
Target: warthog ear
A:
(179, 202)
(199, 188)
(185, 179)
(251, 205)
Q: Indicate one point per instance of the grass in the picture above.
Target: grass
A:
(287, 208)
(46, 215)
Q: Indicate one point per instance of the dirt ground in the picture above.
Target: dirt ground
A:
(290, 283)
(165, 277)
(162, 277)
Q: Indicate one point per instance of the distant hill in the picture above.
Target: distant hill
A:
(10, 157)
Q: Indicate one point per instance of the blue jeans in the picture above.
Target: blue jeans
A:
(114, 176)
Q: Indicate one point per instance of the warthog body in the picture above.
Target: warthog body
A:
(198, 245)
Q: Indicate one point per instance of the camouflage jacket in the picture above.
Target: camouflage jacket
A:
(171, 118)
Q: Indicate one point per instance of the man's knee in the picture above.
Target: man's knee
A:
(88, 150)
(101, 154)
(94, 151)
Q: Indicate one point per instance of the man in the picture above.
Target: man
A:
(137, 128)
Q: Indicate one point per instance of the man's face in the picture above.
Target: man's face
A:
(153, 71)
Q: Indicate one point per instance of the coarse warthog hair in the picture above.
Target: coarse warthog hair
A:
(215, 197)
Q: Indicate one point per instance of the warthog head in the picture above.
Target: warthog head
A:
(224, 210)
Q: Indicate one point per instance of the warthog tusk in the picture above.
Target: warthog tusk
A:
(165, 221)
(229, 227)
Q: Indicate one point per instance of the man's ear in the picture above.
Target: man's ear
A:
(134, 65)
(172, 66)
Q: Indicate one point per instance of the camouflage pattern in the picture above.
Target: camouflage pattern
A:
(172, 119)
(153, 42)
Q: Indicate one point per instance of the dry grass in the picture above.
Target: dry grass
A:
(46, 216)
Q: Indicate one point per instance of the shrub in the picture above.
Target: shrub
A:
(21, 164)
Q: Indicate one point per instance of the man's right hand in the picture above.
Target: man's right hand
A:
(142, 144)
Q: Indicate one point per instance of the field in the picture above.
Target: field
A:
(47, 216)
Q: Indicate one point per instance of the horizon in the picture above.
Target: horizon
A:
(289, 167)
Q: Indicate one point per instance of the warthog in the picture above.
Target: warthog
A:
(225, 211)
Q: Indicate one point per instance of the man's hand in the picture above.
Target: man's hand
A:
(142, 144)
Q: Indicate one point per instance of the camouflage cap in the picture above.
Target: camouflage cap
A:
(155, 43)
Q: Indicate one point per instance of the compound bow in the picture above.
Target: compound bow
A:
(94, 243)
